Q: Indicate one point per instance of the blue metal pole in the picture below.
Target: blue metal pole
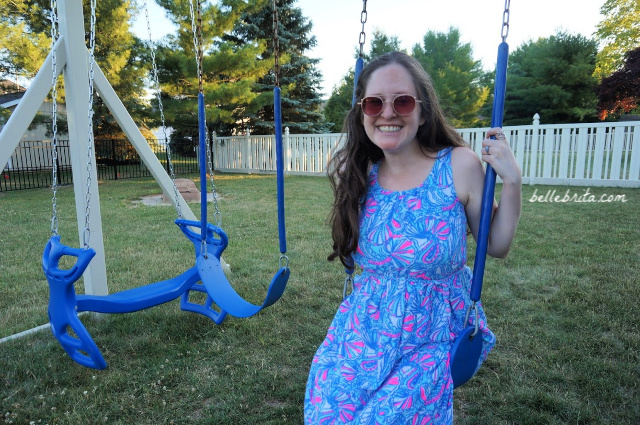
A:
(359, 66)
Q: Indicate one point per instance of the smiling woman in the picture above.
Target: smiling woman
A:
(406, 187)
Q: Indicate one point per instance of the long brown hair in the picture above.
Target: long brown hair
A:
(349, 166)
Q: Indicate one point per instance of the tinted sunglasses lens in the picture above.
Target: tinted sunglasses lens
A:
(372, 106)
(404, 105)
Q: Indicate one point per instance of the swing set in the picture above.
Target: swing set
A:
(466, 349)
(205, 276)
(70, 54)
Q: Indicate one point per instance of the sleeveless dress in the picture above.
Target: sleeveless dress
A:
(386, 356)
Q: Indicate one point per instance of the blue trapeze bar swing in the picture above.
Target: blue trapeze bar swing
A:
(205, 276)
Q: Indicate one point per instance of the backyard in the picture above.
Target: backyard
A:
(563, 305)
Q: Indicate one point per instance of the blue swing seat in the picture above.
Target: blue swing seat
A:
(206, 276)
(215, 283)
(62, 303)
(139, 298)
(465, 354)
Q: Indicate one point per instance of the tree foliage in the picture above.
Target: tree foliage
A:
(381, 43)
(24, 36)
(298, 76)
(455, 74)
(339, 103)
(620, 92)
(618, 33)
(25, 41)
(554, 78)
(230, 70)
(341, 98)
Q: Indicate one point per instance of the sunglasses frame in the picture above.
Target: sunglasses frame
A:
(392, 101)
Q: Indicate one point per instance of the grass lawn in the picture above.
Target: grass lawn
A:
(564, 306)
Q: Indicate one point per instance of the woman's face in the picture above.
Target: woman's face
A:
(391, 132)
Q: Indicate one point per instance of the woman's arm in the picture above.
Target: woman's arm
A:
(468, 175)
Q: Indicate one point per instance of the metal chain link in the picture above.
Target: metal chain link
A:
(505, 20)
(92, 46)
(53, 17)
(276, 44)
(156, 83)
(197, 45)
(196, 42)
(217, 215)
(363, 20)
(200, 48)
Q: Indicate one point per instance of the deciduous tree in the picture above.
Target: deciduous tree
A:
(617, 34)
(554, 78)
(25, 42)
(620, 92)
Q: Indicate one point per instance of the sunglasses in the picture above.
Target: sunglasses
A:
(402, 104)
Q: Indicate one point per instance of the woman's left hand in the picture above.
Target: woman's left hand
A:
(498, 154)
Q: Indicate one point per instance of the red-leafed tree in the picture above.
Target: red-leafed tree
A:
(620, 92)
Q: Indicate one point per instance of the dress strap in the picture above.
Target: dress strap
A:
(446, 152)
(442, 171)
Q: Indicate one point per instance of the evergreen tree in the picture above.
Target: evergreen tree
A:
(381, 43)
(298, 76)
(230, 71)
(554, 78)
(455, 74)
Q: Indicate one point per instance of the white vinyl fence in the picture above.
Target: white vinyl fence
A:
(596, 154)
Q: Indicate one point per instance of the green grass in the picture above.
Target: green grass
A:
(563, 305)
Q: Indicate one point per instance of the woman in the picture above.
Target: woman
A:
(406, 190)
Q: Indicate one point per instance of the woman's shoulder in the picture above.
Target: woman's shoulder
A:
(467, 172)
(463, 156)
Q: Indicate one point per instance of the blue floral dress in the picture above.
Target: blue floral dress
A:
(386, 356)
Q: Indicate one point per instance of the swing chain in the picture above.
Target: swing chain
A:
(276, 44)
(92, 46)
(363, 20)
(53, 17)
(197, 40)
(217, 215)
(197, 46)
(156, 83)
(200, 52)
(505, 20)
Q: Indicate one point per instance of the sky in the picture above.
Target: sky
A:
(337, 26)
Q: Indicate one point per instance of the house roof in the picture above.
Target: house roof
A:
(10, 100)
(7, 86)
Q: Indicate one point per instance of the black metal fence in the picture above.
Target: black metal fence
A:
(31, 164)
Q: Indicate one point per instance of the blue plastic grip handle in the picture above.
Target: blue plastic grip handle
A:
(277, 116)
(490, 176)
(203, 167)
(359, 66)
